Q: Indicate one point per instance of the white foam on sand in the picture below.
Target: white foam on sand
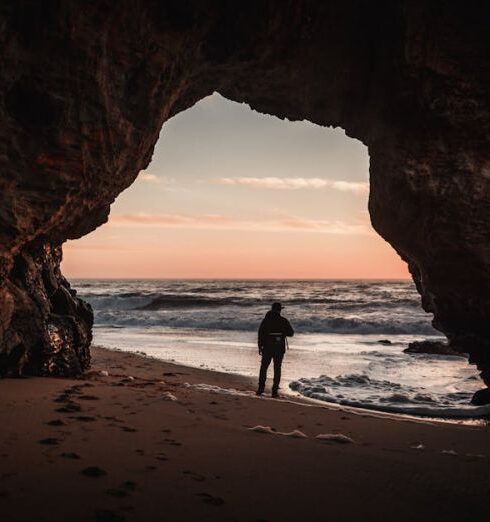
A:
(217, 389)
(167, 396)
(297, 434)
(337, 438)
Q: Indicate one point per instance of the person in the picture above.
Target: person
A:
(273, 331)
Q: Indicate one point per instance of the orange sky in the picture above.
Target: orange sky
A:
(231, 193)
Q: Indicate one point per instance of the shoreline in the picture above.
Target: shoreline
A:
(288, 394)
(136, 438)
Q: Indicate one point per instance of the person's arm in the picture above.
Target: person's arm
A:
(260, 339)
(288, 329)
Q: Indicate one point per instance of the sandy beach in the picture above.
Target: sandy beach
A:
(138, 439)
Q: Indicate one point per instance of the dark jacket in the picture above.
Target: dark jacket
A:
(274, 323)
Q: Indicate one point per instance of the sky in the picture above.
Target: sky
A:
(232, 193)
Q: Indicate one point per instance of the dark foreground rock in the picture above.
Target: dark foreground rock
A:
(481, 397)
(47, 330)
(433, 348)
(86, 86)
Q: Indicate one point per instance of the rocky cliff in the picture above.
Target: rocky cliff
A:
(86, 86)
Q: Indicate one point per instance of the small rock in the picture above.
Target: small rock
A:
(104, 373)
(432, 348)
(481, 397)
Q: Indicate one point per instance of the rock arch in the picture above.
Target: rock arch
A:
(86, 88)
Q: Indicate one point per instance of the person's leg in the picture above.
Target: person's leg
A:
(264, 365)
(277, 372)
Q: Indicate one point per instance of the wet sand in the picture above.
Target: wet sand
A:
(147, 443)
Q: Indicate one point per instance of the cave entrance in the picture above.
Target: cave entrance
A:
(232, 193)
(239, 209)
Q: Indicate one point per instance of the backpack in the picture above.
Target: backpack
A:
(276, 340)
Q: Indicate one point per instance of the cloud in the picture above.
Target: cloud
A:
(295, 183)
(218, 222)
(148, 177)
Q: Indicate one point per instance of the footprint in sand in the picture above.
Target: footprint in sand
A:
(194, 476)
(129, 485)
(62, 398)
(93, 471)
(56, 422)
(112, 418)
(88, 398)
(221, 417)
(69, 407)
(211, 499)
(106, 515)
(128, 429)
(84, 418)
(117, 493)
(70, 455)
(172, 442)
(161, 456)
(50, 441)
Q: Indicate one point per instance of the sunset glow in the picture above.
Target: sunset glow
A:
(232, 193)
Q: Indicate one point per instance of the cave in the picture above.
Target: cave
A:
(87, 86)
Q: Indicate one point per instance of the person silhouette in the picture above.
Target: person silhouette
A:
(273, 331)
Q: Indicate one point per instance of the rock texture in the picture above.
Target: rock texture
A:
(432, 348)
(86, 86)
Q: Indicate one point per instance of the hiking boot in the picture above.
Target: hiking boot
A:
(275, 394)
(259, 392)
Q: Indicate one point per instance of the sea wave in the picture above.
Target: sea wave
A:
(362, 391)
(340, 307)
(234, 321)
(157, 301)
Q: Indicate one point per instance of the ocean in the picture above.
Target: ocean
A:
(347, 348)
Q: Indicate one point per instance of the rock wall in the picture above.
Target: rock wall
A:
(86, 86)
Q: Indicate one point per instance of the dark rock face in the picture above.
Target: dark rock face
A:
(86, 86)
(432, 348)
(481, 397)
(45, 328)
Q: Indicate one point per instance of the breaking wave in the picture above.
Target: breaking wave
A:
(362, 391)
(315, 307)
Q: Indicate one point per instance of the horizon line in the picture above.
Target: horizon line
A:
(241, 278)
